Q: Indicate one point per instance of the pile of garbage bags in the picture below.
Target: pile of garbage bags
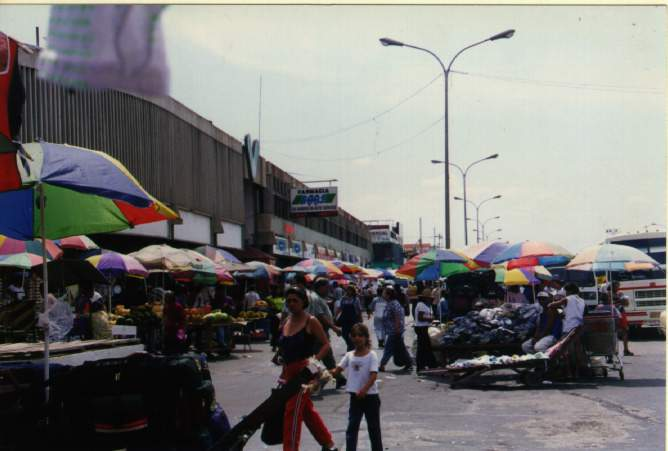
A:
(491, 360)
(509, 323)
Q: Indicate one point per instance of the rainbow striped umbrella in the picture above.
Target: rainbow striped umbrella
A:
(317, 267)
(533, 253)
(612, 257)
(113, 264)
(521, 276)
(26, 254)
(435, 264)
(85, 191)
(347, 267)
(485, 253)
(79, 242)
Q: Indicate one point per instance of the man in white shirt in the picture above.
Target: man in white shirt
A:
(423, 318)
(251, 298)
(574, 307)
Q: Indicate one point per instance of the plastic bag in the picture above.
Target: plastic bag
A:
(58, 318)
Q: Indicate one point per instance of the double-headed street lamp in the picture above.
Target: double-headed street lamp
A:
(464, 172)
(446, 71)
(477, 211)
(485, 222)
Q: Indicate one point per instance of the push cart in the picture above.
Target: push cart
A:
(600, 340)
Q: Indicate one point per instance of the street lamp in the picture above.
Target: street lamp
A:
(464, 172)
(446, 71)
(477, 210)
(486, 221)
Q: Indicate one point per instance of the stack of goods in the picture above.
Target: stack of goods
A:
(252, 315)
(491, 360)
(510, 323)
(217, 316)
(196, 315)
(144, 317)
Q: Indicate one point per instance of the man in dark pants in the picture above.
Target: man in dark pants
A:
(318, 307)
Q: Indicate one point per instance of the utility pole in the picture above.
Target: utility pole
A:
(420, 240)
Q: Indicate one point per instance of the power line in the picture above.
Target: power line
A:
(547, 83)
(356, 124)
(359, 157)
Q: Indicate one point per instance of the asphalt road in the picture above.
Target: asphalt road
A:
(427, 414)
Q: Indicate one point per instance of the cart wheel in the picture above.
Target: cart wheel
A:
(621, 375)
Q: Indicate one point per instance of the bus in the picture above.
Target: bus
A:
(387, 244)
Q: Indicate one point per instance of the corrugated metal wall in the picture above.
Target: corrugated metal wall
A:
(174, 160)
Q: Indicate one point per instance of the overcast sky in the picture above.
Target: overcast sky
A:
(574, 104)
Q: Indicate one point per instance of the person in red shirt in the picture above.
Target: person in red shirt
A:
(174, 325)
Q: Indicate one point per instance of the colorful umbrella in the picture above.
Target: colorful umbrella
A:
(318, 267)
(79, 242)
(612, 257)
(222, 257)
(26, 254)
(533, 253)
(113, 264)
(259, 270)
(85, 191)
(347, 267)
(435, 264)
(67, 191)
(485, 253)
(521, 276)
(205, 271)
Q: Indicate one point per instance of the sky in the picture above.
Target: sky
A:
(574, 104)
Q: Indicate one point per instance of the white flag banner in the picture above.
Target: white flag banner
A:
(106, 46)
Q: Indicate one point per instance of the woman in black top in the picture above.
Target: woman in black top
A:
(298, 337)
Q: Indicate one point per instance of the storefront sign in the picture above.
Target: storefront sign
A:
(314, 201)
(297, 250)
(380, 235)
(309, 250)
(195, 228)
(281, 246)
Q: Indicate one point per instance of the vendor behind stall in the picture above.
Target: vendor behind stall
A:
(99, 321)
(548, 327)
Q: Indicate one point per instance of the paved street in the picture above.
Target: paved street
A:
(427, 414)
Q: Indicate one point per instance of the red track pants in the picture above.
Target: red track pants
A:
(300, 408)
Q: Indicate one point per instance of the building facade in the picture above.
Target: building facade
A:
(225, 196)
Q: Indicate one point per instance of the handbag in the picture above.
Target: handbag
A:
(272, 429)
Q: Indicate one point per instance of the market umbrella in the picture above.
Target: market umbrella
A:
(222, 257)
(259, 270)
(435, 264)
(113, 265)
(317, 267)
(485, 253)
(204, 271)
(347, 267)
(79, 242)
(612, 257)
(522, 276)
(533, 253)
(370, 273)
(67, 191)
(163, 257)
(26, 254)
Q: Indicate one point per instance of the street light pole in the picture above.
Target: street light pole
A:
(477, 211)
(446, 71)
(485, 222)
(464, 173)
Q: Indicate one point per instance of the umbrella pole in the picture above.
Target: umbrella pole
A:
(45, 284)
(111, 286)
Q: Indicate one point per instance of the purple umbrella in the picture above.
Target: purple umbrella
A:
(113, 264)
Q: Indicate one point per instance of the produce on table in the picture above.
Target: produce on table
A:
(491, 360)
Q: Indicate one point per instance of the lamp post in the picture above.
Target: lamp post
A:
(486, 221)
(446, 71)
(477, 211)
(464, 173)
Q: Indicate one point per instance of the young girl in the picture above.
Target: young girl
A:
(362, 369)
